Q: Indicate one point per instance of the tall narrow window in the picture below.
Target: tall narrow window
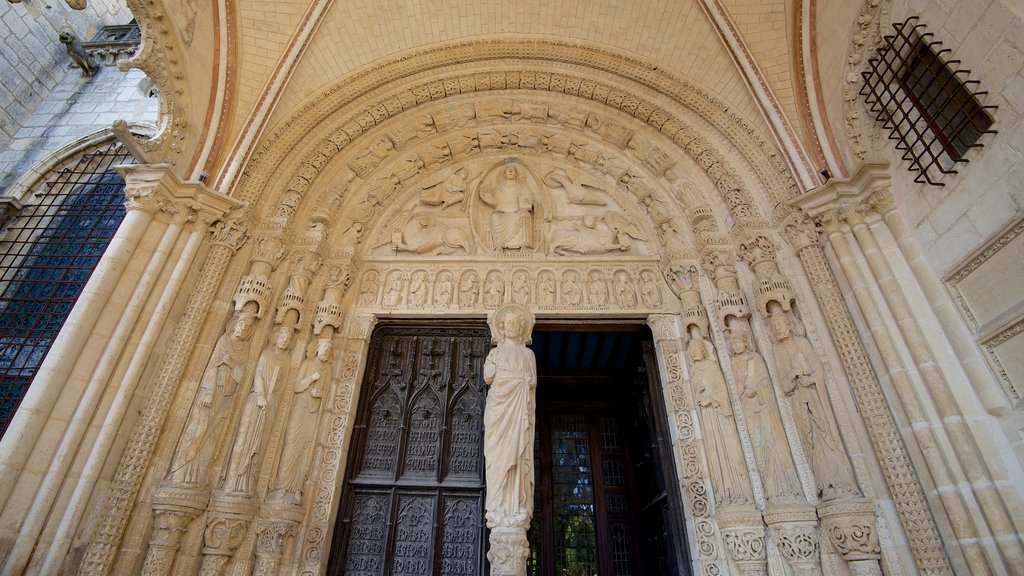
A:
(47, 253)
(926, 101)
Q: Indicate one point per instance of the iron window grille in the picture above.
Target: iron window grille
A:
(929, 105)
(47, 253)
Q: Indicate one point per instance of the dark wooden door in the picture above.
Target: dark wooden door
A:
(413, 500)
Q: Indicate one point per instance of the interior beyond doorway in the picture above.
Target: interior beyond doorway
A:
(605, 498)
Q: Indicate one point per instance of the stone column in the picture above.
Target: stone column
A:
(900, 475)
(100, 553)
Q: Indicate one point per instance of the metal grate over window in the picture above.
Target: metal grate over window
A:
(927, 103)
(47, 253)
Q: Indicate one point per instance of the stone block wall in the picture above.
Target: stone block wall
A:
(40, 90)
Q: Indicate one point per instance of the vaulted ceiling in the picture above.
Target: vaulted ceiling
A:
(238, 69)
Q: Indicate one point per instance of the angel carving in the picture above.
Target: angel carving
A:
(448, 190)
(596, 235)
(577, 193)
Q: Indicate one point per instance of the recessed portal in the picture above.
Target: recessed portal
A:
(413, 498)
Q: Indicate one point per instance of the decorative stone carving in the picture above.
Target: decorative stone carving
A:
(244, 458)
(580, 193)
(226, 524)
(650, 289)
(764, 423)
(597, 289)
(299, 440)
(850, 527)
(744, 539)
(803, 381)
(572, 290)
(270, 540)
(547, 291)
(427, 234)
(730, 300)
(418, 289)
(511, 223)
(305, 265)
(510, 371)
(625, 291)
(595, 235)
(444, 288)
(469, 289)
(759, 252)
(721, 439)
(521, 287)
(174, 508)
(494, 289)
(212, 406)
(393, 288)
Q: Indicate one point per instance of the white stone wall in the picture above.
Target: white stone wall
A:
(76, 108)
(32, 61)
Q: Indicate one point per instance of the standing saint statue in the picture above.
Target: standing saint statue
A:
(764, 423)
(725, 454)
(271, 367)
(802, 380)
(510, 371)
(512, 220)
(300, 431)
(209, 415)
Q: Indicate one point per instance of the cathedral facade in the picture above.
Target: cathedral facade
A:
(770, 253)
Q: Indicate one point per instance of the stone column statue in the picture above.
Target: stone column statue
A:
(802, 380)
(764, 423)
(510, 371)
(206, 423)
(300, 431)
(725, 454)
(271, 367)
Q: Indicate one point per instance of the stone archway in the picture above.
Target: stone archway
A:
(646, 201)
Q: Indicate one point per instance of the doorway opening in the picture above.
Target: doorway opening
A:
(605, 500)
(605, 504)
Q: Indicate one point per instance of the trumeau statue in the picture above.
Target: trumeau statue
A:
(510, 371)
(300, 431)
(764, 423)
(212, 406)
(271, 368)
(803, 381)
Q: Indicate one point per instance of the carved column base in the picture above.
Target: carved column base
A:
(743, 535)
(226, 524)
(508, 551)
(850, 527)
(174, 508)
(795, 531)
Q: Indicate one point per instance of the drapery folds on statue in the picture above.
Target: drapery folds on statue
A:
(510, 371)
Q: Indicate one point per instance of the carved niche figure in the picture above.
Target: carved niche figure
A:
(511, 222)
(300, 431)
(725, 455)
(494, 289)
(393, 290)
(469, 289)
(546, 288)
(510, 371)
(368, 288)
(625, 292)
(212, 406)
(271, 367)
(521, 287)
(418, 289)
(802, 380)
(572, 291)
(443, 289)
(650, 292)
(597, 288)
(764, 424)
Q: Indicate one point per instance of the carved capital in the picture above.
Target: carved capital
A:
(850, 527)
(744, 537)
(795, 532)
(800, 231)
(267, 249)
(508, 551)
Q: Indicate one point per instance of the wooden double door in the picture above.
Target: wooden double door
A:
(414, 491)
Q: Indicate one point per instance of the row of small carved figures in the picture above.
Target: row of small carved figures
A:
(596, 287)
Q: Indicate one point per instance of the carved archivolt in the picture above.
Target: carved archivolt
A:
(563, 194)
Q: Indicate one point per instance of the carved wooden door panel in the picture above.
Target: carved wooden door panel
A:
(413, 500)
